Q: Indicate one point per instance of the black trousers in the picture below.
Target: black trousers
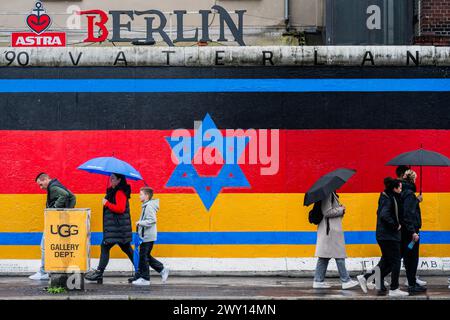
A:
(390, 262)
(146, 260)
(104, 255)
(410, 259)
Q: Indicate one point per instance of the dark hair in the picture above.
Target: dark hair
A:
(123, 179)
(41, 175)
(123, 185)
(400, 171)
(148, 191)
(390, 183)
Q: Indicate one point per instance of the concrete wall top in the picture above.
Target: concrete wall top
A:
(371, 56)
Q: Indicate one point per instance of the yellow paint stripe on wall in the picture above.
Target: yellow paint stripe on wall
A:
(230, 212)
(229, 251)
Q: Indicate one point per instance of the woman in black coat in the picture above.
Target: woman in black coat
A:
(116, 224)
(388, 237)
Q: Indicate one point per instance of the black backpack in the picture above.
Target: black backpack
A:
(315, 215)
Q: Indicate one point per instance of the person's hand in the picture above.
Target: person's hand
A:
(399, 227)
(420, 198)
(415, 237)
(104, 201)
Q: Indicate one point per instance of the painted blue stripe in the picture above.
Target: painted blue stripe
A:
(233, 238)
(222, 85)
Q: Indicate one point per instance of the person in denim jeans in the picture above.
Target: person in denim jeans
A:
(58, 196)
(330, 243)
(147, 232)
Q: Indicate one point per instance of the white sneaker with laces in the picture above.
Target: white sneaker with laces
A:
(141, 282)
(321, 285)
(39, 276)
(398, 293)
(418, 281)
(350, 284)
(372, 285)
(164, 274)
(362, 282)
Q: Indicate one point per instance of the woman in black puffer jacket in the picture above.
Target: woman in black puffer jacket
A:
(116, 224)
(388, 237)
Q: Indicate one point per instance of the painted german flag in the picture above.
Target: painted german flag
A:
(54, 119)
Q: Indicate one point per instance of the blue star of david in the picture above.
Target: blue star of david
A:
(208, 187)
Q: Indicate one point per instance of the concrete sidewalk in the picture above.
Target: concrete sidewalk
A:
(223, 288)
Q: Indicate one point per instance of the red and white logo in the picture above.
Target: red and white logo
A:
(38, 21)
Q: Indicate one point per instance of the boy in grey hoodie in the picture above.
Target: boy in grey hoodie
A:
(146, 228)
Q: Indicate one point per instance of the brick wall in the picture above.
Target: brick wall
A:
(434, 22)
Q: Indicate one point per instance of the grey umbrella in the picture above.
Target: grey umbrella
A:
(420, 157)
(327, 184)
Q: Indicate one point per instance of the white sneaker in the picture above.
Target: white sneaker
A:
(398, 293)
(421, 282)
(362, 282)
(321, 285)
(39, 276)
(349, 284)
(418, 281)
(372, 285)
(141, 282)
(164, 274)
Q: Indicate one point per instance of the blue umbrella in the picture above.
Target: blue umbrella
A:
(108, 165)
(137, 243)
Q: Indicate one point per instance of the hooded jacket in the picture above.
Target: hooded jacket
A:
(59, 196)
(411, 218)
(388, 219)
(147, 222)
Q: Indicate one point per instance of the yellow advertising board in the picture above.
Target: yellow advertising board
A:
(67, 240)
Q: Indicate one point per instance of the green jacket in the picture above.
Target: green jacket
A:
(59, 196)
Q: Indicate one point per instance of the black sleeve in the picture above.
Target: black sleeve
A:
(409, 212)
(386, 213)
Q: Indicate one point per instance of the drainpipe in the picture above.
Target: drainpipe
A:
(286, 14)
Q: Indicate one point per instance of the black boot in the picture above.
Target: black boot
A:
(134, 277)
(95, 275)
(416, 289)
(383, 291)
(130, 280)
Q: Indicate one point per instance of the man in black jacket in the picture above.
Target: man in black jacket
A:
(400, 171)
(411, 221)
(58, 196)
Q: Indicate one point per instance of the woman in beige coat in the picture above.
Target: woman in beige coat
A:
(331, 243)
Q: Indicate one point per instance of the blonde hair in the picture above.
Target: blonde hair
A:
(410, 175)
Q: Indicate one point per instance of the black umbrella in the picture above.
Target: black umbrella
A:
(420, 157)
(327, 184)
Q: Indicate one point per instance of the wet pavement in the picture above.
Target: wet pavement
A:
(209, 287)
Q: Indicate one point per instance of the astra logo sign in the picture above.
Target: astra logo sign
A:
(38, 22)
(156, 22)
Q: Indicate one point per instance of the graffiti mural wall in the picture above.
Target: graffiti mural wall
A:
(236, 191)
